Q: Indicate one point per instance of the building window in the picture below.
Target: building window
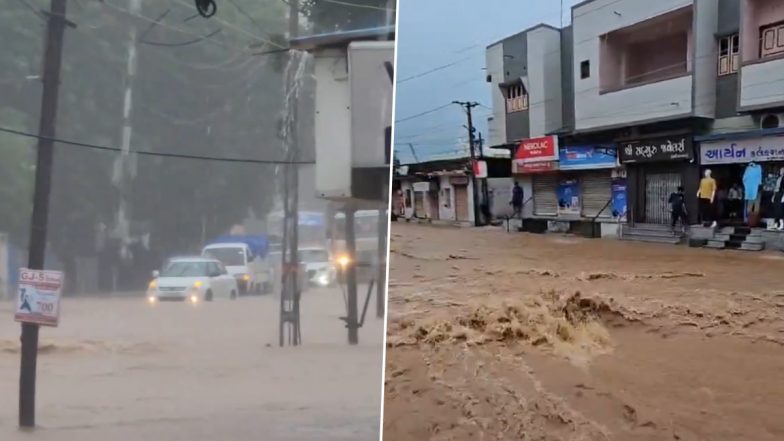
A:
(585, 69)
(772, 40)
(448, 197)
(729, 54)
(516, 98)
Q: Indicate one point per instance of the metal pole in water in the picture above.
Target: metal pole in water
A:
(352, 321)
(55, 31)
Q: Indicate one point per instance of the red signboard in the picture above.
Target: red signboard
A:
(521, 167)
(479, 168)
(538, 149)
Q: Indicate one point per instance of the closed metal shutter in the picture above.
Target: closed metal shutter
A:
(461, 202)
(545, 195)
(419, 204)
(596, 188)
(658, 188)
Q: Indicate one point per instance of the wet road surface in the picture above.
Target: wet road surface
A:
(121, 369)
(501, 336)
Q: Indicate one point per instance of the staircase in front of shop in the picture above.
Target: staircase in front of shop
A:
(652, 233)
(736, 238)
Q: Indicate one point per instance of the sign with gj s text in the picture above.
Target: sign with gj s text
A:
(38, 297)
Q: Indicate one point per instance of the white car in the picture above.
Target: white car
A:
(320, 269)
(194, 279)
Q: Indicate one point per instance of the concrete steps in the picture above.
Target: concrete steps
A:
(731, 238)
(650, 233)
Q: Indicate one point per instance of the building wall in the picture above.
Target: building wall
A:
(494, 62)
(544, 77)
(762, 84)
(448, 213)
(706, 19)
(729, 17)
(567, 74)
(754, 14)
(333, 124)
(516, 67)
(728, 23)
(593, 109)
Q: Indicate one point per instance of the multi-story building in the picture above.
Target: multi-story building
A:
(651, 95)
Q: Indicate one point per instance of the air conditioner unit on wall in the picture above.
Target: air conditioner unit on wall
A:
(771, 121)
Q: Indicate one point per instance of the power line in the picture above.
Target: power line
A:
(408, 118)
(151, 153)
(435, 69)
(357, 5)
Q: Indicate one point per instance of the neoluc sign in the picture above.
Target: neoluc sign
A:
(540, 149)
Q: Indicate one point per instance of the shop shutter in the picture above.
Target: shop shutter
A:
(419, 204)
(596, 189)
(545, 196)
(658, 188)
(461, 202)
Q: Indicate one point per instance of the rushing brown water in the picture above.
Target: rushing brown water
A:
(502, 336)
(122, 370)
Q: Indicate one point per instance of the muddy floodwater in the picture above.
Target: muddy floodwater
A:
(497, 336)
(124, 370)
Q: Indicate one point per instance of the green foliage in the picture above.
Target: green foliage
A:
(211, 97)
(16, 179)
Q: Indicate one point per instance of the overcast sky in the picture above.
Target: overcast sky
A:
(437, 33)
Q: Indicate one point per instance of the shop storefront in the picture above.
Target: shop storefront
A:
(656, 167)
(748, 167)
(537, 158)
(586, 180)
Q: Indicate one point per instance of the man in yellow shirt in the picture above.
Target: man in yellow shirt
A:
(706, 194)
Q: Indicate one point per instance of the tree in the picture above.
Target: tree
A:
(210, 97)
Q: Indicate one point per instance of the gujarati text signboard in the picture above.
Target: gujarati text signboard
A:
(38, 297)
(675, 148)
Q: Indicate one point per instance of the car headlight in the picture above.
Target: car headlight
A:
(245, 277)
(198, 284)
(323, 279)
(153, 284)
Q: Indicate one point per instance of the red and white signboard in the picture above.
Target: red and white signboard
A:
(520, 167)
(537, 149)
(38, 298)
(480, 169)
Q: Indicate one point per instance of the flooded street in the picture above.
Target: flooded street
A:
(122, 369)
(515, 336)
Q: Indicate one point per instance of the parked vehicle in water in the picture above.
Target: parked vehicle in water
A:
(193, 279)
(245, 258)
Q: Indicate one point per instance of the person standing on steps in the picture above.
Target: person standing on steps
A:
(678, 210)
(706, 195)
(517, 200)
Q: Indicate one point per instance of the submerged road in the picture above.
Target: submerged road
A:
(122, 369)
(501, 336)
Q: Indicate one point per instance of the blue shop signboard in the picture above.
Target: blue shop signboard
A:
(588, 157)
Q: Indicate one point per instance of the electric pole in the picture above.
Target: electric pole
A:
(125, 168)
(55, 31)
(468, 105)
(290, 278)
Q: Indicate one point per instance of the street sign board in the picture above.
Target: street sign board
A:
(38, 297)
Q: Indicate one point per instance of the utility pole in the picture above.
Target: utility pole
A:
(352, 319)
(124, 166)
(468, 105)
(290, 278)
(55, 31)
